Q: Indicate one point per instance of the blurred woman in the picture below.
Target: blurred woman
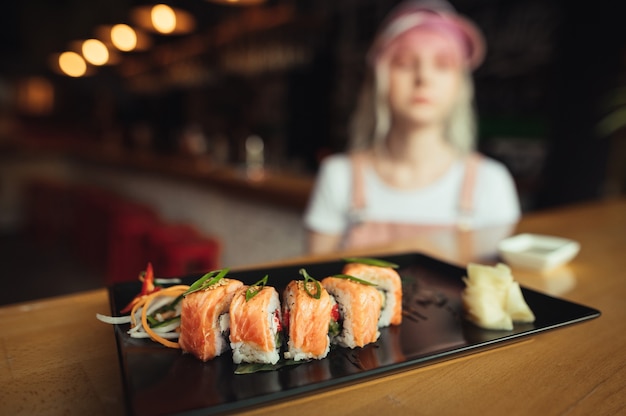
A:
(412, 164)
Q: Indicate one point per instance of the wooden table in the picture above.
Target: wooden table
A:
(58, 359)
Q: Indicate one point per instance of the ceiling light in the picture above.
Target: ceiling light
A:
(104, 33)
(72, 64)
(123, 37)
(95, 52)
(163, 18)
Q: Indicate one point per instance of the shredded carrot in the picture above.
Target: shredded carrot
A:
(145, 301)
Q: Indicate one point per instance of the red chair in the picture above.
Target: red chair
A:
(182, 252)
(89, 224)
(127, 225)
(109, 232)
(163, 234)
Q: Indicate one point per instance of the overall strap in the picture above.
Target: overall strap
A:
(358, 181)
(466, 199)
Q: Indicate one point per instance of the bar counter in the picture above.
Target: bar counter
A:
(58, 359)
(279, 187)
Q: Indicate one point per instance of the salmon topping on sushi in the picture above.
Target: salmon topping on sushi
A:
(359, 309)
(204, 320)
(255, 326)
(306, 320)
(388, 282)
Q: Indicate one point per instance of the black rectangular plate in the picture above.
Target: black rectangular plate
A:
(158, 380)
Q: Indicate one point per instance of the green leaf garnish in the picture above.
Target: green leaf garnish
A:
(308, 279)
(334, 328)
(371, 262)
(170, 306)
(354, 279)
(207, 281)
(158, 324)
(256, 288)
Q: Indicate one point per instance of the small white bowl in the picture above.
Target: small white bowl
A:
(537, 252)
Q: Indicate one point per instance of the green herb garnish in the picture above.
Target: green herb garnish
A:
(155, 323)
(354, 279)
(278, 339)
(256, 288)
(371, 262)
(170, 306)
(334, 328)
(207, 281)
(308, 279)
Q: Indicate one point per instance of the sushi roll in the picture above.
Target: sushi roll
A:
(255, 327)
(388, 282)
(306, 317)
(204, 319)
(359, 307)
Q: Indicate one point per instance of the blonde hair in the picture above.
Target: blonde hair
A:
(371, 120)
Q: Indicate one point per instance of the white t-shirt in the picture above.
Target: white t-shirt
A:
(495, 200)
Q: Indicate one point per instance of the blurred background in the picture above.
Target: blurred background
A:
(190, 131)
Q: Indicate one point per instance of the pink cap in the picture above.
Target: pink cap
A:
(437, 14)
